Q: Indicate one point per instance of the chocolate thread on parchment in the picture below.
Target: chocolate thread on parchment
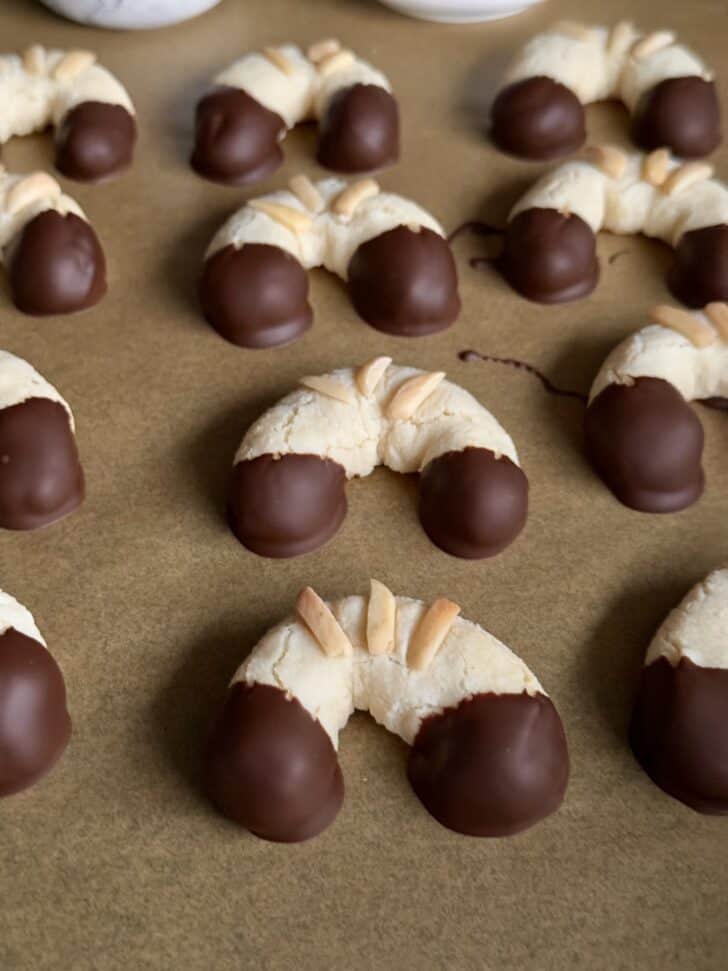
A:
(470, 355)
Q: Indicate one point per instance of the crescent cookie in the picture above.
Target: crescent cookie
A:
(91, 112)
(642, 437)
(679, 729)
(667, 89)
(488, 754)
(34, 723)
(393, 255)
(242, 121)
(53, 257)
(550, 243)
(41, 479)
(287, 494)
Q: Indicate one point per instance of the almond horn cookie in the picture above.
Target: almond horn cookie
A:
(253, 103)
(53, 257)
(550, 244)
(488, 754)
(34, 723)
(642, 436)
(679, 728)
(41, 479)
(393, 255)
(667, 89)
(91, 112)
(287, 494)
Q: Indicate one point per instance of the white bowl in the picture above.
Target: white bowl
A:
(460, 11)
(130, 14)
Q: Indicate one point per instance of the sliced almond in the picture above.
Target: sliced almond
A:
(34, 59)
(697, 331)
(717, 314)
(620, 35)
(431, 631)
(322, 624)
(334, 62)
(572, 28)
(40, 185)
(278, 59)
(347, 202)
(410, 395)
(293, 219)
(323, 48)
(652, 43)
(656, 167)
(73, 64)
(689, 174)
(608, 159)
(330, 387)
(381, 619)
(304, 189)
(370, 374)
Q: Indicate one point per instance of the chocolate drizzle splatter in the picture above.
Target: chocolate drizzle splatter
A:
(475, 227)
(718, 404)
(549, 386)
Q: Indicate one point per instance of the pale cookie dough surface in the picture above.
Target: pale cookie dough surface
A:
(469, 662)
(697, 629)
(19, 382)
(11, 223)
(360, 436)
(660, 352)
(331, 240)
(302, 93)
(629, 204)
(595, 68)
(30, 102)
(14, 615)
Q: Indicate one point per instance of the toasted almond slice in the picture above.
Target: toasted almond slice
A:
(652, 43)
(381, 619)
(34, 59)
(346, 203)
(334, 62)
(610, 160)
(33, 187)
(293, 219)
(656, 167)
(717, 314)
(370, 374)
(330, 387)
(620, 35)
(410, 395)
(323, 48)
(322, 624)
(697, 332)
(73, 64)
(689, 174)
(572, 28)
(304, 189)
(278, 59)
(430, 633)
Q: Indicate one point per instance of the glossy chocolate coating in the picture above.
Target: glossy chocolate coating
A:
(34, 723)
(679, 732)
(646, 443)
(538, 118)
(682, 114)
(286, 506)
(550, 257)
(255, 296)
(237, 140)
(270, 767)
(359, 130)
(95, 141)
(699, 275)
(41, 479)
(405, 283)
(471, 504)
(56, 265)
(493, 766)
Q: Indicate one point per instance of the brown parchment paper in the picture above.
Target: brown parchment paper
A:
(116, 861)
